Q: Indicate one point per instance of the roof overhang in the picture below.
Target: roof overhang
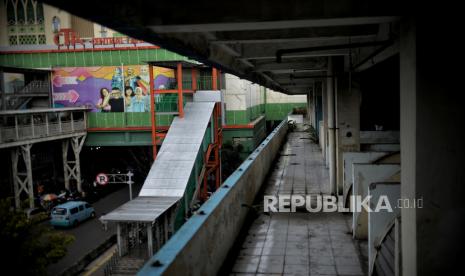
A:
(255, 40)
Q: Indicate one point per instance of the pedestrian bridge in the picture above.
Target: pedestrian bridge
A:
(21, 127)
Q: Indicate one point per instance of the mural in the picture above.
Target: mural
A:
(109, 88)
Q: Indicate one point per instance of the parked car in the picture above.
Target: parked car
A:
(38, 214)
(71, 213)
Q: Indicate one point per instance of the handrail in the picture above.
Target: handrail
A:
(40, 130)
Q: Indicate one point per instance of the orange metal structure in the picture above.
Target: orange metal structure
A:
(212, 156)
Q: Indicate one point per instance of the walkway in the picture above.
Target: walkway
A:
(299, 243)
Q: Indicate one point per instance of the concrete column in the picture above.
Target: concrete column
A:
(323, 130)
(348, 115)
(76, 144)
(22, 180)
(72, 168)
(331, 153)
(432, 147)
(27, 160)
(149, 240)
(314, 111)
(14, 168)
(166, 227)
(119, 241)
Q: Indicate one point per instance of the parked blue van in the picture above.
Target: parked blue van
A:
(71, 213)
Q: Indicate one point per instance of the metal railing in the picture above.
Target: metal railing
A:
(33, 87)
(111, 264)
(39, 124)
(33, 131)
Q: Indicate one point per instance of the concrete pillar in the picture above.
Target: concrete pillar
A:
(22, 180)
(64, 151)
(309, 101)
(323, 130)
(149, 240)
(72, 168)
(119, 241)
(331, 153)
(432, 147)
(348, 122)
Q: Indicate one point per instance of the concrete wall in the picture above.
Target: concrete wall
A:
(201, 245)
(3, 23)
(432, 146)
(49, 13)
(245, 101)
(277, 97)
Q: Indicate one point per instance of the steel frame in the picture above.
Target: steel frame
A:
(22, 181)
(72, 168)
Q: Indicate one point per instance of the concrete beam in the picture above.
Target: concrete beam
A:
(268, 55)
(377, 57)
(288, 71)
(312, 35)
(289, 81)
(271, 25)
(258, 50)
(308, 65)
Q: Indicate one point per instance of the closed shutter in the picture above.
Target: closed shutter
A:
(83, 27)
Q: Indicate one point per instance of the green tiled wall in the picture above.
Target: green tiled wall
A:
(125, 119)
(237, 117)
(87, 58)
(273, 112)
(278, 111)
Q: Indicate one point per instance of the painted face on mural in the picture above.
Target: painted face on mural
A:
(117, 71)
(138, 91)
(130, 71)
(144, 71)
(129, 92)
(115, 93)
(104, 92)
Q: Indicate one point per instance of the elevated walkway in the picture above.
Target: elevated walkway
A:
(299, 243)
(275, 244)
(21, 129)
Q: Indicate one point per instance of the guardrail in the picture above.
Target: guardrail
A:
(17, 126)
(201, 245)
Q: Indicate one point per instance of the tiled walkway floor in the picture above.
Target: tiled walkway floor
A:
(299, 243)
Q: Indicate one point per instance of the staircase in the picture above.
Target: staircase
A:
(23, 95)
(126, 265)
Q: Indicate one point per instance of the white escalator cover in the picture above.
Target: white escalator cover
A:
(169, 174)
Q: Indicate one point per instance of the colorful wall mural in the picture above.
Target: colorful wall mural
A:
(108, 88)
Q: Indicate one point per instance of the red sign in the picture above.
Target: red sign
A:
(68, 37)
(102, 179)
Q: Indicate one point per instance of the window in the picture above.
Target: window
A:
(82, 27)
(74, 210)
(88, 205)
(81, 207)
(25, 20)
(59, 211)
(56, 24)
(103, 31)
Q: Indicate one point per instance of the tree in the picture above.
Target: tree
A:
(230, 158)
(28, 246)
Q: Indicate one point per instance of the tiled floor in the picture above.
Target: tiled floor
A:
(299, 243)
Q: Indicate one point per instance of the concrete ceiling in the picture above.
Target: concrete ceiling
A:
(283, 45)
